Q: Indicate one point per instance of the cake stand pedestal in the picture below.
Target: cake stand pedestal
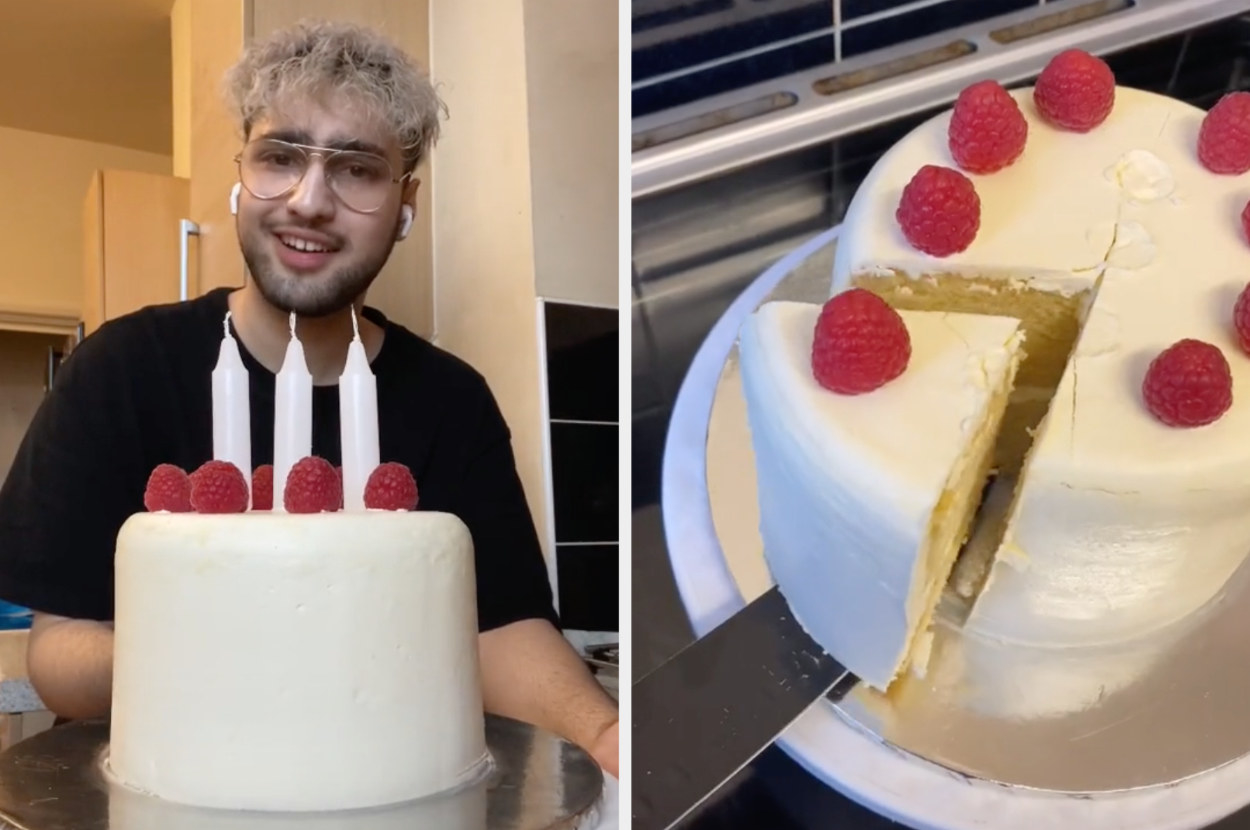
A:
(1153, 735)
(55, 781)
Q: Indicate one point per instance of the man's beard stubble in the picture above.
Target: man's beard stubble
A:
(317, 296)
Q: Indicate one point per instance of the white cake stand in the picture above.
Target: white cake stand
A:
(840, 752)
(55, 781)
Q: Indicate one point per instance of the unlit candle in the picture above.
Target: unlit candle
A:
(292, 421)
(232, 419)
(358, 420)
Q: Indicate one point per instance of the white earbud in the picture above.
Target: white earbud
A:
(234, 199)
(405, 226)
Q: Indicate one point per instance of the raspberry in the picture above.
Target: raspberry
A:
(391, 487)
(939, 212)
(1188, 384)
(312, 486)
(1241, 319)
(860, 344)
(987, 130)
(1075, 91)
(218, 487)
(169, 489)
(1224, 138)
(262, 487)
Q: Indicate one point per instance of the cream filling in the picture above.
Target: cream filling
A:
(952, 520)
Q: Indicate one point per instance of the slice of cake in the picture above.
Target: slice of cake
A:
(867, 494)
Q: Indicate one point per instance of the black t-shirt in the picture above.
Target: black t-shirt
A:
(138, 393)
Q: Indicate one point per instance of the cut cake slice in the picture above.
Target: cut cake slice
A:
(865, 500)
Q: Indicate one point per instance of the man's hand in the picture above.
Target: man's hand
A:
(606, 750)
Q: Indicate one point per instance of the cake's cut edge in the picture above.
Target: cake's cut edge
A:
(878, 474)
(953, 516)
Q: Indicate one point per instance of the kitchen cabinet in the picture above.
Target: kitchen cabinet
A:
(207, 37)
(132, 251)
(526, 239)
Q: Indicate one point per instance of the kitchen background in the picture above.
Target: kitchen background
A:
(112, 133)
(705, 225)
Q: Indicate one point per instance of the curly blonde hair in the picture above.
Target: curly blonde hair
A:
(318, 57)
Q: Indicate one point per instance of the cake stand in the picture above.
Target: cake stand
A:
(54, 781)
(1154, 734)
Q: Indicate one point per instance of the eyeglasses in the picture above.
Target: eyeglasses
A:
(270, 169)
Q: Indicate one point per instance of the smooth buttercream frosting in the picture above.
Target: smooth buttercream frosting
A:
(1122, 525)
(267, 661)
(848, 485)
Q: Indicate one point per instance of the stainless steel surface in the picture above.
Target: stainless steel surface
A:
(55, 781)
(710, 710)
(1140, 715)
(812, 117)
(186, 230)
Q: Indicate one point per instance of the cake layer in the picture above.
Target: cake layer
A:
(270, 661)
(1122, 525)
(865, 499)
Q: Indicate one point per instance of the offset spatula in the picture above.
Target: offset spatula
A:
(706, 713)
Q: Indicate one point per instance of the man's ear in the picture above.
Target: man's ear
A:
(410, 191)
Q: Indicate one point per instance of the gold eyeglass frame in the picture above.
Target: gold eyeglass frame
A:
(325, 153)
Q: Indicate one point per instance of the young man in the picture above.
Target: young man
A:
(335, 120)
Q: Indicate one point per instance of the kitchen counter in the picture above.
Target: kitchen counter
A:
(16, 693)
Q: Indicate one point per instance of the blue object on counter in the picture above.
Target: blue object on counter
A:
(14, 616)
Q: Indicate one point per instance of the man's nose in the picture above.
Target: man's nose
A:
(312, 197)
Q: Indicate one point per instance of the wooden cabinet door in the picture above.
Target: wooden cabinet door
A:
(213, 38)
(132, 243)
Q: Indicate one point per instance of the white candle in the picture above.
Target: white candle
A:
(292, 416)
(232, 418)
(358, 421)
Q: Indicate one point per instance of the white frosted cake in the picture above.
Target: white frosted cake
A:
(300, 639)
(269, 661)
(1123, 254)
(865, 498)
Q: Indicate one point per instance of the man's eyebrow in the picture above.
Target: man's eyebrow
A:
(302, 137)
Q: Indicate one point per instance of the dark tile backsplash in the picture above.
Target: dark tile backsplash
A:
(791, 18)
(584, 465)
(588, 576)
(923, 22)
(583, 396)
(852, 9)
(582, 362)
(672, 36)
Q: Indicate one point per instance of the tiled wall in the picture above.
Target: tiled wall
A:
(685, 50)
(582, 400)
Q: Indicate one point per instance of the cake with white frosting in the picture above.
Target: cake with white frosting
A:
(280, 662)
(297, 638)
(1112, 228)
